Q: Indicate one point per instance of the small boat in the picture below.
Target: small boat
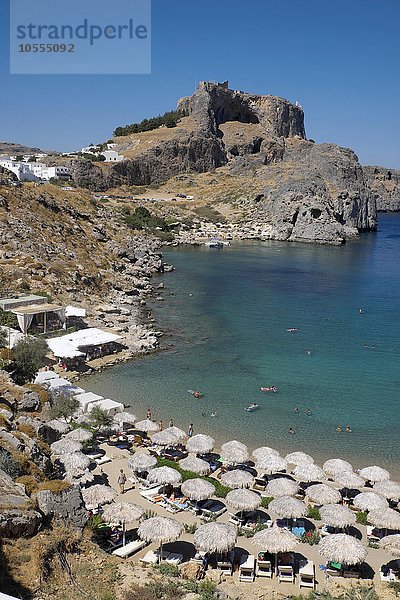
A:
(292, 329)
(195, 393)
(214, 243)
(252, 407)
(269, 389)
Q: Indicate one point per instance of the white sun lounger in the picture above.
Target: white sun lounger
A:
(102, 460)
(307, 574)
(152, 558)
(285, 573)
(246, 568)
(174, 559)
(129, 549)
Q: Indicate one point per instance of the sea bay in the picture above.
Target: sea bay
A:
(226, 315)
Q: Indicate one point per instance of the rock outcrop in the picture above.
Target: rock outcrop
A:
(310, 192)
(385, 184)
(17, 517)
(66, 506)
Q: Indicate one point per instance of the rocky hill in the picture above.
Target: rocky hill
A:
(385, 184)
(278, 183)
(15, 148)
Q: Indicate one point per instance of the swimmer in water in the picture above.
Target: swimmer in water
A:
(296, 409)
(291, 430)
(348, 429)
(309, 352)
(213, 414)
(308, 411)
(339, 429)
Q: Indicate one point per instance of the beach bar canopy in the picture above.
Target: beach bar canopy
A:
(25, 314)
(63, 349)
(109, 406)
(77, 343)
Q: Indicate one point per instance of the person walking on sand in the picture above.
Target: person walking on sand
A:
(122, 481)
(160, 425)
(149, 413)
(191, 430)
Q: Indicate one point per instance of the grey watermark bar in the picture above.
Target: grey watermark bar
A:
(88, 37)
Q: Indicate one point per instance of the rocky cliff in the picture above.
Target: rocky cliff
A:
(305, 191)
(385, 184)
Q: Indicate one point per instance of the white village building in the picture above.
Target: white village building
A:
(112, 156)
(33, 171)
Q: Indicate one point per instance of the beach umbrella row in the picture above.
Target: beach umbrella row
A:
(281, 487)
(321, 493)
(200, 444)
(237, 479)
(141, 461)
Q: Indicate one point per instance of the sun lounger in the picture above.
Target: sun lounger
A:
(372, 535)
(102, 460)
(174, 559)
(129, 549)
(285, 573)
(152, 558)
(298, 531)
(246, 568)
(263, 567)
(307, 574)
(225, 563)
(152, 494)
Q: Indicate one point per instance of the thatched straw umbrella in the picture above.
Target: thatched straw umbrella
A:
(370, 501)
(196, 465)
(79, 435)
(237, 479)
(179, 433)
(123, 512)
(323, 494)
(391, 543)
(375, 474)
(243, 500)
(160, 529)
(215, 537)
(346, 479)
(77, 461)
(264, 451)
(234, 452)
(385, 518)
(147, 425)
(337, 515)
(275, 540)
(299, 458)
(165, 438)
(309, 473)
(80, 478)
(141, 461)
(197, 489)
(200, 444)
(281, 487)
(97, 495)
(342, 548)
(334, 466)
(65, 446)
(271, 464)
(125, 417)
(164, 475)
(288, 507)
(389, 489)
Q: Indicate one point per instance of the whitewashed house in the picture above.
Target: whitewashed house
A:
(33, 171)
(112, 156)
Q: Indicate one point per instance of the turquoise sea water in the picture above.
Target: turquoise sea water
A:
(226, 322)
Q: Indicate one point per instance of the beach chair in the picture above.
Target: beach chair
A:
(307, 574)
(153, 558)
(246, 568)
(263, 567)
(285, 574)
(129, 549)
(372, 536)
(174, 559)
(225, 563)
(102, 460)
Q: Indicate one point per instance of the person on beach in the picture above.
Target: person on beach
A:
(122, 481)
(190, 432)
(339, 429)
(160, 425)
(149, 413)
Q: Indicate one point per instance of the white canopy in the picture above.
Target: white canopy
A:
(62, 348)
(64, 386)
(43, 376)
(86, 399)
(75, 311)
(109, 406)
(91, 337)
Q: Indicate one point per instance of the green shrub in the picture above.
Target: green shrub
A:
(362, 518)
(29, 355)
(265, 501)
(169, 119)
(313, 513)
(167, 570)
(310, 537)
(395, 586)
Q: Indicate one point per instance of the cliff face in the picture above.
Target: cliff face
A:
(310, 192)
(385, 184)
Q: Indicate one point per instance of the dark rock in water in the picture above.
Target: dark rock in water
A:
(17, 518)
(66, 506)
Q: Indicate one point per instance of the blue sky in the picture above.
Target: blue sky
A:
(339, 59)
